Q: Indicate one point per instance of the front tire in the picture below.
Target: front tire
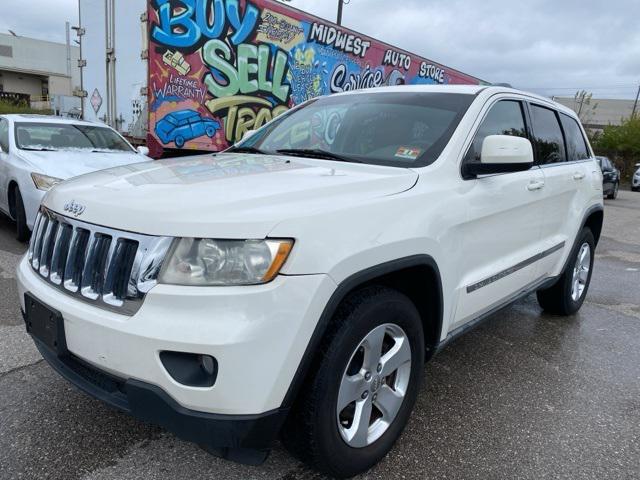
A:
(365, 384)
(566, 296)
(179, 141)
(614, 193)
(22, 230)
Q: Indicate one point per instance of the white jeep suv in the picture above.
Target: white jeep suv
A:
(295, 284)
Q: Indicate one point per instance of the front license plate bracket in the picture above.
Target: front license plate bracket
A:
(45, 325)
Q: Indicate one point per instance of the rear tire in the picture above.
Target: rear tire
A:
(317, 430)
(22, 230)
(179, 141)
(566, 296)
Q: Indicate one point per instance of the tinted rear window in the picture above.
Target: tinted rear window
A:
(548, 137)
(576, 144)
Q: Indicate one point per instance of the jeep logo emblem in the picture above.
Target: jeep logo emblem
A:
(74, 208)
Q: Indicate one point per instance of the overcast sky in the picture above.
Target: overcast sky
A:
(553, 47)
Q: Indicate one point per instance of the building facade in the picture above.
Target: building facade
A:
(45, 72)
(596, 114)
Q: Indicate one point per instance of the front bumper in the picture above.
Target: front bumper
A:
(257, 334)
(150, 403)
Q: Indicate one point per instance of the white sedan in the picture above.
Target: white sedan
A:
(37, 152)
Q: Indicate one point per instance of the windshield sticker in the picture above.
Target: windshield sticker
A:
(408, 153)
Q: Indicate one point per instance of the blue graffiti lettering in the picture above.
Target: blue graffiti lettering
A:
(243, 26)
(185, 29)
(179, 30)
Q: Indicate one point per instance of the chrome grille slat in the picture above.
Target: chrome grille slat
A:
(37, 249)
(75, 260)
(121, 259)
(107, 268)
(60, 251)
(47, 247)
(36, 226)
(93, 270)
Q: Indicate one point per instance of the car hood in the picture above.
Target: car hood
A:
(71, 163)
(223, 196)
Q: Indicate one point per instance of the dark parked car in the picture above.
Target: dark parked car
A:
(185, 125)
(635, 181)
(610, 177)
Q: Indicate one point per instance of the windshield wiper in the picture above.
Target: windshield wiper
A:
(247, 150)
(317, 153)
(38, 149)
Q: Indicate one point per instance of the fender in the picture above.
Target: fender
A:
(344, 288)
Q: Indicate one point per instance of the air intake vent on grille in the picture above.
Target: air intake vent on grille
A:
(109, 268)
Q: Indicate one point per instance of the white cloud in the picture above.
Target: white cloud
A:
(550, 46)
(43, 19)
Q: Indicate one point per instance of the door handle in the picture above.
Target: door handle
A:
(578, 176)
(535, 186)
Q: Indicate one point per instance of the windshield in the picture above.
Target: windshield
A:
(403, 129)
(68, 137)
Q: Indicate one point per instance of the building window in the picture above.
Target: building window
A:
(6, 51)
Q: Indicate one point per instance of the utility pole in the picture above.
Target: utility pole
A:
(635, 104)
(340, 5)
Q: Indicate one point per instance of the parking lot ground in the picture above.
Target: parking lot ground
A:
(525, 395)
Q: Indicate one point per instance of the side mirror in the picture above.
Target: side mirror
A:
(143, 151)
(502, 154)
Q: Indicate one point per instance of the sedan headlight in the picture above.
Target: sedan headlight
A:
(44, 182)
(203, 261)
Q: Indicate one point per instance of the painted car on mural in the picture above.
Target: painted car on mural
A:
(183, 125)
(253, 60)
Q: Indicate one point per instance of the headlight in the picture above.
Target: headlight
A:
(196, 261)
(44, 182)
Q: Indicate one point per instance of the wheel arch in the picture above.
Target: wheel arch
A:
(11, 200)
(412, 276)
(594, 219)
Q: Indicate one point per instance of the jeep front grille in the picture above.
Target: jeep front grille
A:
(108, 268)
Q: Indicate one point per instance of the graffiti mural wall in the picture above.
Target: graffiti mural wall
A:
(218, 68)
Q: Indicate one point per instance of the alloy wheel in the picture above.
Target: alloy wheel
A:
(581, 272)
(373, 385)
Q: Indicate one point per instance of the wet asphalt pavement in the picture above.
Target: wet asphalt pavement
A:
(525, 395)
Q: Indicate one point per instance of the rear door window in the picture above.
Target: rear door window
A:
(576, 144)
(547, 136)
